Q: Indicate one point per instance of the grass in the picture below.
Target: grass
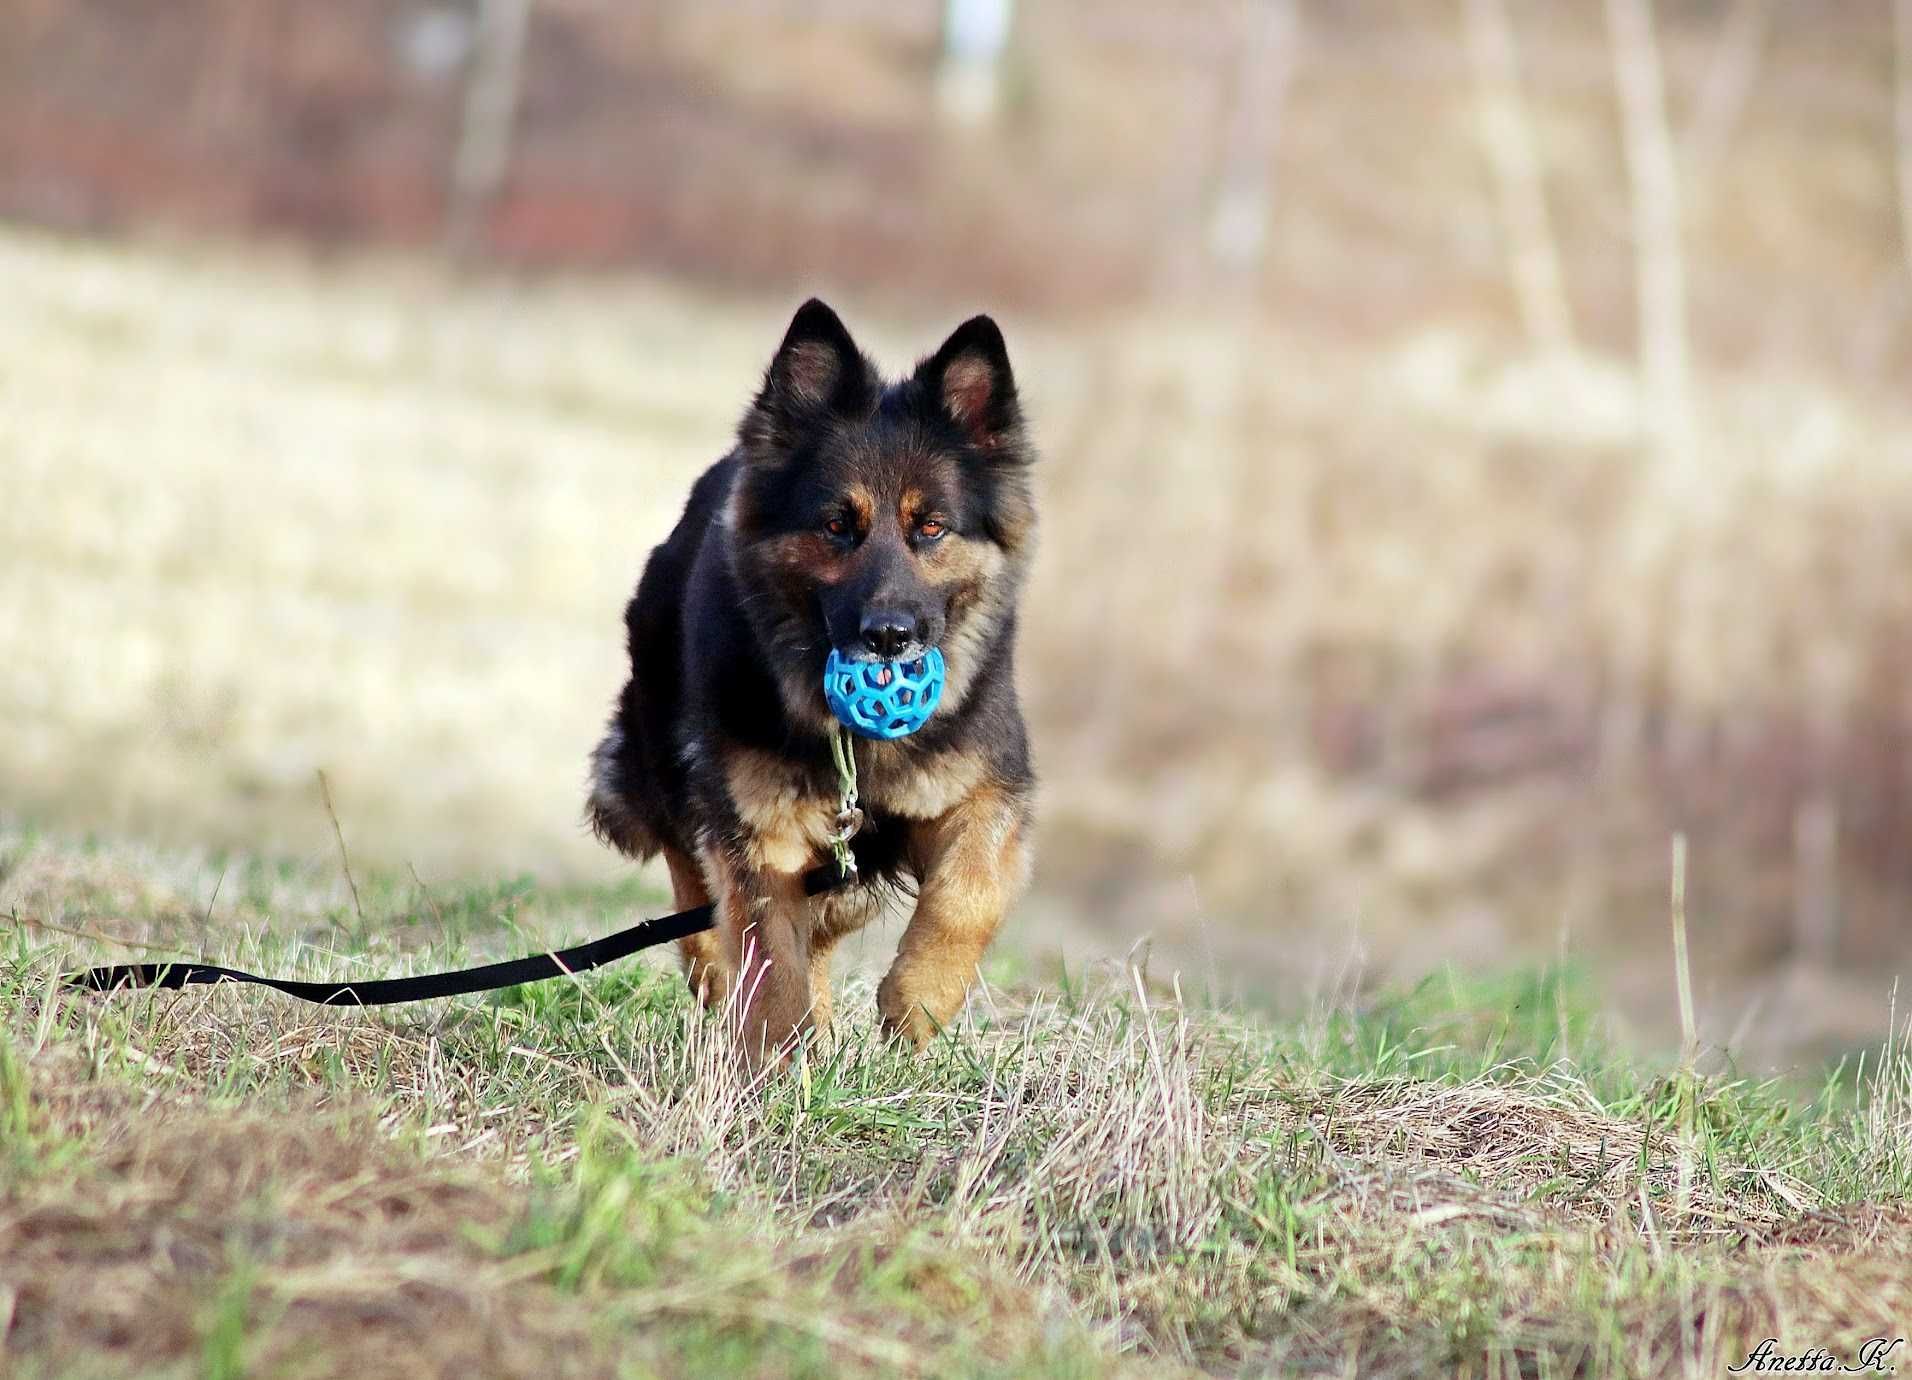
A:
(1465, 656)
(1464, 1176)
(1481, 656)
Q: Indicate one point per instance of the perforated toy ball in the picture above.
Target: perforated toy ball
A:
(884, 699)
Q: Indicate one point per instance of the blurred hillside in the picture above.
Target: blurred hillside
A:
(1384, 591)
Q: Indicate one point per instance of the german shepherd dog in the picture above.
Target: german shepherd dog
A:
(880, 519)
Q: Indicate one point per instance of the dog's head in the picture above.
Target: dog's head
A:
(878, 518)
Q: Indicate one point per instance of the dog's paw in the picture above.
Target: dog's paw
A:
(916, 1010)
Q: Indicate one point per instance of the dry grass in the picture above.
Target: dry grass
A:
(267, 517)
(226, 1240)
(1464, 1179)
(1354, 613)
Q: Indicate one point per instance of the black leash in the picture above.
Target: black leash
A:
(580, 958)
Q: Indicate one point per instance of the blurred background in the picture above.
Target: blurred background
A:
(1477, 437)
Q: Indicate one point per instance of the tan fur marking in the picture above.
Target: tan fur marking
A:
(973, 861)
(822, 1007)
(974, 572)
(803, 700)
(705, 968)
(763, 930)
(967, 382)
(789, 822)
(807, 558)
(833, 916)
(902, 782)
(910, 509)
(957, 562)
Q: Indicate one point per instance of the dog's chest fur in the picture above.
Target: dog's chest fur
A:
(789, 808)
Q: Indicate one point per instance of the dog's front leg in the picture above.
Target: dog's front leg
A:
(972, 862)
(763, 921)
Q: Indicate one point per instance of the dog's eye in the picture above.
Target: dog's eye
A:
(837, 527)
(930, 530)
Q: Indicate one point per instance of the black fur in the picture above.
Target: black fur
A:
(737, 610)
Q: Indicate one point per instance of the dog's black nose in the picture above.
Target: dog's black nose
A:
(888, 631)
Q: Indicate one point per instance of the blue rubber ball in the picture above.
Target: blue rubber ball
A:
(884, 699)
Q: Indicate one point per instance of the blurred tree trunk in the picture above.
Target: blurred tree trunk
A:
(483, 155)
(1533, 252)
(975, 38)
(1244, 188)
(1728, 85)
(1902, 27)
(1659, 265)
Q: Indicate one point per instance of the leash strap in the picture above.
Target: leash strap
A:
(849, 820)
(580, 958)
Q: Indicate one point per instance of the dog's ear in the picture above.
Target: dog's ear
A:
(818, 370)
(970, 380)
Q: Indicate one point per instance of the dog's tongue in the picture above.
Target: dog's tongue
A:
(885, 676)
